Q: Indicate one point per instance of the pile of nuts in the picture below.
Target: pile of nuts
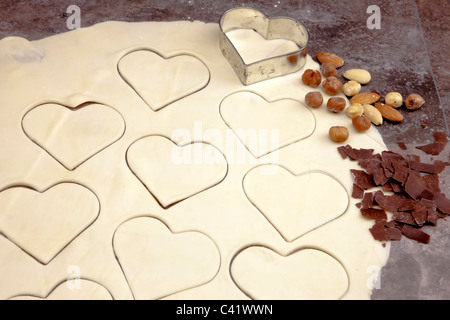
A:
(365, 107)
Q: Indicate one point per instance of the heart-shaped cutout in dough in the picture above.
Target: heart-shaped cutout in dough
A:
(307, 274)
(265, 126)
(73, 135)
(76, 289)
(295, 204)
(160, 80)
(173, 173)
(158, 263)
(44, 223)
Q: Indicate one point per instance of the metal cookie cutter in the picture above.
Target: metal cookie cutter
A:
(275, 28)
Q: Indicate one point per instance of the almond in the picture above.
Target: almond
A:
(361, 76)
(365, 98)
(332, 58)
(388, 112)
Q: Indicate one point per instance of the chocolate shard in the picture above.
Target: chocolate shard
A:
(367, 201)
(407, 205)
(442, 203)
(378, 231)
(414, 185)
(432, 182)
(385, 231)
(394, 234)
(357, 192)
(436, 147)
(423, 167)
(373, 166)
(405, 218)
(401, 172)
(354, 154)
(373, 213)
(389, 203)
(420, 214)
(362, 179)
(415, 234)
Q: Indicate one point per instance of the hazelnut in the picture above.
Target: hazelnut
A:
(328, 69)
(393, 99)
(351, 88)
(314, 99)
(414, 101)
(332, 85)
(312, 78)
(338, 133)
(355, 110)
(336, 104)
(361, 123)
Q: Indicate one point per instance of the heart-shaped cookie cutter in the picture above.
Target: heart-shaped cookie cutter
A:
(275, 28)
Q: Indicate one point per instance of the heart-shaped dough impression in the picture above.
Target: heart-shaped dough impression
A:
(160, 81)
(295, 205)
(73, 135)
(43, 224)
(265, 126)
(173, 173)
(157, 262)
(307, 274)
(77, 289)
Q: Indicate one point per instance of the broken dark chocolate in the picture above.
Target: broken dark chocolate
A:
(357, 192)
(436, 147)
(362, 179)
(372, 213)
(407, 187)
(415, 234)
(414, 185)
(442, 203)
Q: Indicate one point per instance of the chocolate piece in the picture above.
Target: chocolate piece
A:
(357, 192)
(373, 166)
(362, 179)
(442, 203)
(414, 185)
(407, 205)
(354, 154)
(342, 152)
(372, 213)
(420, 214)
(367, 201)
(385, 231)
(415, 234)
(388, 202)
(432, 182)
(401, 144)
(436, 147)
(401, 172)
(378, 231)
(394, 234)
(405, 218)
(435, 168)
